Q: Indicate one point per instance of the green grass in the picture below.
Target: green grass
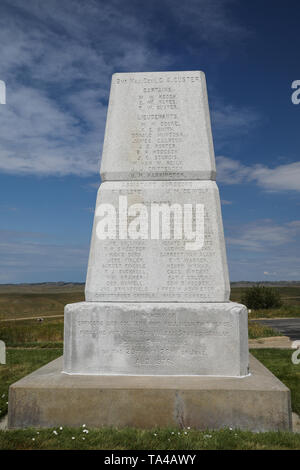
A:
(255, 331)
(38, 345)
(156, 439)
(286, 311)
(279, 362)
(290, 296)
(22, 301)
(21, 362)
(18, 333)
(21, 305)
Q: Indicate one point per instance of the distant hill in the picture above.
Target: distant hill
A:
(61, 286)
(41, 287)
(266, 283)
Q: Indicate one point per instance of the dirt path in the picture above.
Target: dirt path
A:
(33, 318)
(280, 342)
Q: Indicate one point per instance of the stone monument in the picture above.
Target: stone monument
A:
(157, 329)
(153, 306)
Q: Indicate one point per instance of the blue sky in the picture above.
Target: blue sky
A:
(57, 59)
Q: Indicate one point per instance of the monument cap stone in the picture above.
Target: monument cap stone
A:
(158, 128)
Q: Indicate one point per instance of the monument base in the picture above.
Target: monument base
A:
(156, 338)
(49, 398)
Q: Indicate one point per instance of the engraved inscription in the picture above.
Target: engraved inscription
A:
(158, 127)
(147, 269)
(154, 340)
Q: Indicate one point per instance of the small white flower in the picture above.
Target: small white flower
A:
(7, 402)
(185, 432)
(38, 432)
(155, 434)
(33, 438)
(230, 429)
(61, 428)
(178, 433)
(84, 425)
(73, 437)
(172, 432)
(189, 427)
(83, 438)
(55, 432)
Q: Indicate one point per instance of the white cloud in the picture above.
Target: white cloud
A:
(230, 171)
(209, 19)
(264, 234)
(225, 202)
(39, 136)
(229, 120)
(57, 59)
(281, 178)
(264, 248)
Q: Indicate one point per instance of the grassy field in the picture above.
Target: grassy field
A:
(17, 305)
(44, 300)
(20, 362)
(290, 296)
(156, 439)
(255, 331)
(31, 333)
(279, 362)
(286, 311)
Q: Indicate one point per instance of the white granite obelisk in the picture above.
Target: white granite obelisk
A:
(157, 289)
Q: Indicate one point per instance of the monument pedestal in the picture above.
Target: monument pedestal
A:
(156, 338)
(48, 397)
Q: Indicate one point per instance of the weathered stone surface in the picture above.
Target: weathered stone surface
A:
(158, 128)
(159, 270)
(46, 398)
(156, 338)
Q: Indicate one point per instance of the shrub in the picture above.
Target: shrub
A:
(257, 297)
